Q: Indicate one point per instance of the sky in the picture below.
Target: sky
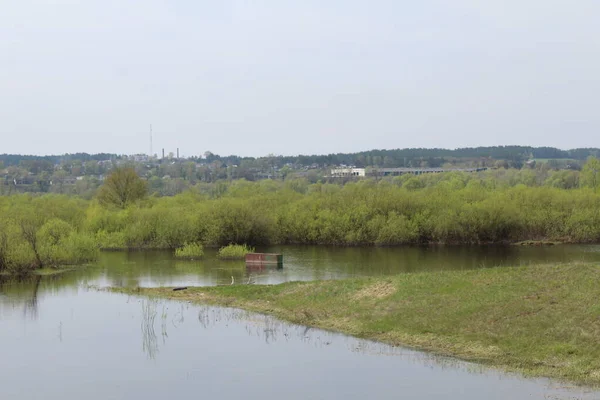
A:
(296, 77)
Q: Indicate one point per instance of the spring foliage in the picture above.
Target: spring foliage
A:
(121, 188)
(43, 231)
(190, 251)
(455, 208)
(508, 206)
(234, 252)
(590, 174)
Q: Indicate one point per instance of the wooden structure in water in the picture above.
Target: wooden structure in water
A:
(264, 259)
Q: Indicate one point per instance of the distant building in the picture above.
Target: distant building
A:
(347, 172)
(420, 171)
(140, 157)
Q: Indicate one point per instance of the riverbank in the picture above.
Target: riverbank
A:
(42, 271)
(540, 320)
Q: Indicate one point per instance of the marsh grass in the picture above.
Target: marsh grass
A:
(149, 342)
(537, 320)
(190, 251)
(234, 252)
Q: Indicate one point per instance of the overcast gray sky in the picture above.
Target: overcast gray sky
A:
(296, 77)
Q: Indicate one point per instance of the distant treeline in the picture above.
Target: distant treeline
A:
(16, 159)
(435, 157)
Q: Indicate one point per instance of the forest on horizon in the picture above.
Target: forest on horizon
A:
(435, 157)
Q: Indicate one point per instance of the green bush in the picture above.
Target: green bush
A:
(492, 207)
(32, 237)
(141, 230)
(4, 258)
(397, 230)
(111, 240)
(234, 252)
(76, 248)
(54, 231)
(190, 251)
(241, 221)
(175, 226)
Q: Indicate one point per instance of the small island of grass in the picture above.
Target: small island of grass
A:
(190, 251)
(234, 252)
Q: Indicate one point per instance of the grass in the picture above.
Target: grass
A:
(42, 271)
(190, 251)
(54, 271)
(537, 243)
(540, 320)
(234, 252)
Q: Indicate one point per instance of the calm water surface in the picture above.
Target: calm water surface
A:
(61, 340)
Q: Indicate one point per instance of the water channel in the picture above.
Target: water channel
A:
(62, 339)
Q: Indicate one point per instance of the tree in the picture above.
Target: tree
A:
(590, 173)
(121, 188)
(29, 227)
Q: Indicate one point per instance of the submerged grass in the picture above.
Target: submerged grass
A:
(538, 320)
(234, 252)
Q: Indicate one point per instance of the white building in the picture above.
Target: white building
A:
(347, 172)
(140, 157)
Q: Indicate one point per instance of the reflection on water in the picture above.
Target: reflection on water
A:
(129, 347)
(217, 321)
(159, 268)
(20, 293)
(149, 343)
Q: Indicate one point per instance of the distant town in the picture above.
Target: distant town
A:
(169, 174)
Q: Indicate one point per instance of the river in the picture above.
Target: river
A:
(60, 338)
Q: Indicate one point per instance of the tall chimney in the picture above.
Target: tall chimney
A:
(178, 153)
(163, 153)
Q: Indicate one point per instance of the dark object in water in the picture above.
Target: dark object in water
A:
(264, 258)
(180, 288)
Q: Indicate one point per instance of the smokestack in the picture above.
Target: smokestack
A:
(163, 153)
(178, 153)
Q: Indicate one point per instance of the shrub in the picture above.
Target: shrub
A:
(141, 231)
(240, 221)
(234, 252)
(75, 248)
(397, 230)
(4, 261)
(54, 231)
(79, 248)
(190, 251)
(175, 227)
(110, 240)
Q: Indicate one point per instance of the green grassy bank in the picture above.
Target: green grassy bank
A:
(541, 320)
